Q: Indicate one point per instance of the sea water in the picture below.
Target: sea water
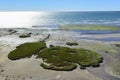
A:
(51, 19)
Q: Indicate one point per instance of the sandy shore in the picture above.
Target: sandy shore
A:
(30, 69)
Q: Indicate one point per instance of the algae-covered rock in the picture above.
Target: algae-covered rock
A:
(26, 50)
(63, 58)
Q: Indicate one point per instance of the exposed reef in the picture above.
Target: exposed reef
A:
(56, 57)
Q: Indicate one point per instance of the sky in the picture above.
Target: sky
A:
(59, 5)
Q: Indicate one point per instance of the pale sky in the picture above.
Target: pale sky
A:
(59, 5)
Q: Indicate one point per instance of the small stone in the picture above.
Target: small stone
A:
(2, 70)
(30, 76)
(6, 79)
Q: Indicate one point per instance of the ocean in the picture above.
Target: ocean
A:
(50, 19)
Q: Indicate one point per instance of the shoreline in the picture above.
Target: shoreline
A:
(24, 69)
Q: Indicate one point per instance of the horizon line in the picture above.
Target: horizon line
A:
(61, 11)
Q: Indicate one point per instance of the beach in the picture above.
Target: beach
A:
(30, 69)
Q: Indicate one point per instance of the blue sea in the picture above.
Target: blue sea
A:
(29, 19)
(109, 18)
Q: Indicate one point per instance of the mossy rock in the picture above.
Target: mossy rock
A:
(25, 35)
(72, 43)
(62, 57)
(58, 58)
(26, 50)
(117, 45)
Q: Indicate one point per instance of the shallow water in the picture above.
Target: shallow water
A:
(95, 32)
(97, 35)
(101, 39)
